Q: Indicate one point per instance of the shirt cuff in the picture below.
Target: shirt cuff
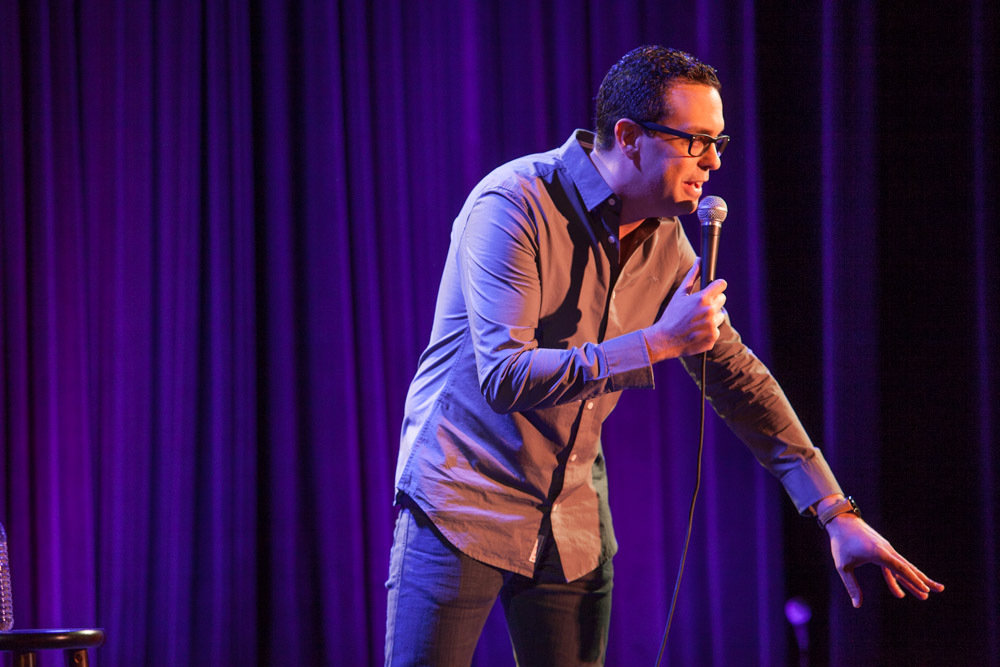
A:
(628, 362)
(810, 482)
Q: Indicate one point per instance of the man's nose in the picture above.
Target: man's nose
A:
(710, 159)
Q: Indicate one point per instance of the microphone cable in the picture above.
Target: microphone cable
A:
(690, 522)
(712, 211)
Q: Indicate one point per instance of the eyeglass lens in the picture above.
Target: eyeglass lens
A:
(701, 142)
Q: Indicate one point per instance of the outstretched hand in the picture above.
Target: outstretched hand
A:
(854, 543)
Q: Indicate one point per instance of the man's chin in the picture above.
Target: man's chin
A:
(685, 207)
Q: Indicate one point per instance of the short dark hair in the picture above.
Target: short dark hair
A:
(635, 87)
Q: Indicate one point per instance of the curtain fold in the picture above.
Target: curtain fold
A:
(222, 226)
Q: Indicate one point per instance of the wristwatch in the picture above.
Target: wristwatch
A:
(842, 506)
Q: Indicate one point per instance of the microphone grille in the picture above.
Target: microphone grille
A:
(712, 210)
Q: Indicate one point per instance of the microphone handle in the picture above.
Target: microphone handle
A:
(710, 234)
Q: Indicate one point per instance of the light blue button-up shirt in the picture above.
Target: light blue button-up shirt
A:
(536, 333)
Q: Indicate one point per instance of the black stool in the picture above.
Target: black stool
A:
(74, 643)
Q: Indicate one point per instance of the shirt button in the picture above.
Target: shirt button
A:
(612, 201)
(611, 239)
(590, 405)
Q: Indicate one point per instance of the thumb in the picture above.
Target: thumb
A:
(690, 283)
(851, 584)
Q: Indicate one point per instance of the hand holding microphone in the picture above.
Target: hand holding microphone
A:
(690, 323)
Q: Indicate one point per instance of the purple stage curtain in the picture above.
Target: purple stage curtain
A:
(222, 226)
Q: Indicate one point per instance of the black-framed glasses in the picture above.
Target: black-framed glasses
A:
(697, 143)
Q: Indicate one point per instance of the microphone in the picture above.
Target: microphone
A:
(711, 212)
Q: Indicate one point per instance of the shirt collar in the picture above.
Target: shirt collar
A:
(592, 187)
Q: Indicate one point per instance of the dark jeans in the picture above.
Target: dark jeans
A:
(439, 599)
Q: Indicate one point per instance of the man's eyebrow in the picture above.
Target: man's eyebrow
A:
(705, 132)
(695, 129)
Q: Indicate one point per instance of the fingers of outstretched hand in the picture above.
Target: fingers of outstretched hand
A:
(851, 584)
(864, 545)
(909, 576)
(892, 583)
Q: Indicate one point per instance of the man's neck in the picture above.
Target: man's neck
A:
(607, 173)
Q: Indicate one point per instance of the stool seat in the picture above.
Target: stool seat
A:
(74, 642)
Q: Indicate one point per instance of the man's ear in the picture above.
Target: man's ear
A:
(627, 135)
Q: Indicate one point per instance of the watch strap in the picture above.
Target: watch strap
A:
(842, 506)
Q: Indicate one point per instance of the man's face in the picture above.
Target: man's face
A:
(671, 180)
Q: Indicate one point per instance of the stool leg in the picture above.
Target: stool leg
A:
(26, 659)
(76, 657)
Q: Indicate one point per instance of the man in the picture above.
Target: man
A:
(568, 277)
